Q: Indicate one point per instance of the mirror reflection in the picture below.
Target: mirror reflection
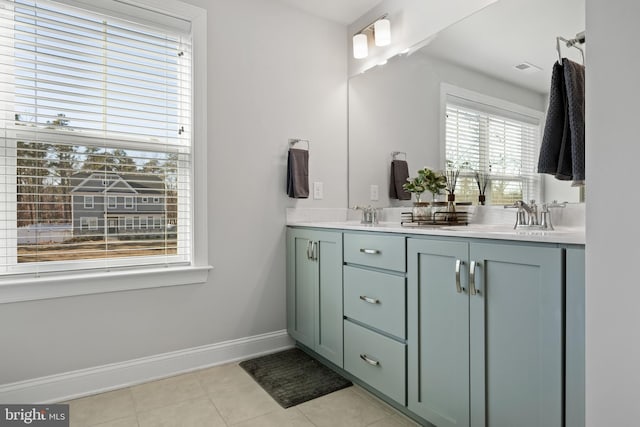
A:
(486, 79)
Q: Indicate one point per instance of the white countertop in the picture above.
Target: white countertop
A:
(561, 234)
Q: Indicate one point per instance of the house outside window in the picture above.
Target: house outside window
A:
(128, 202)
(113, 201)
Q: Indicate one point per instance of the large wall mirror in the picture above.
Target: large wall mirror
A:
(505, 51)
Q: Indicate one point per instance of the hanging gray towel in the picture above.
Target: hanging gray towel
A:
(574, 83)
(399, 175)
(554, 152)
(562, 147)
(298, 173)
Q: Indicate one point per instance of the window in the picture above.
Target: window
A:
(144, 200)
(113, 202)
(496, 140)
(128, 202)
(88, 202)
(93, 223)
(90, 99)
(143, 223)
(156, 200)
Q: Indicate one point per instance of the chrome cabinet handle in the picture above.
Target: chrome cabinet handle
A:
(458, 287)
(314, 251)
(369, 300)
(309, 249)
(370, 251)
(472, 278)
(369, 360)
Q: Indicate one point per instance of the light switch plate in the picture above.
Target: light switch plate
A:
(318, 190)
(374, 193)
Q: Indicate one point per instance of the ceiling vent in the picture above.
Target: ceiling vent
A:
(527, 67)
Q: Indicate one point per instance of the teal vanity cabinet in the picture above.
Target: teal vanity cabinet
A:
(375, 311)
(575, 324)
(314, 291)
(485, 343)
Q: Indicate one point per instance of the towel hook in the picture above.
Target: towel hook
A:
(395, 154)
(294, 141)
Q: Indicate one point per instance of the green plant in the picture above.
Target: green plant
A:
(427, 180)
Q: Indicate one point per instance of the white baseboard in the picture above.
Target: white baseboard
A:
(84, 382)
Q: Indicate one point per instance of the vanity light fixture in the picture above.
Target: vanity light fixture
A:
(360, 46)
(382, 32)
(381, 29)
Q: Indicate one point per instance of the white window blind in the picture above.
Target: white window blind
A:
(498, 143)
(95, 106)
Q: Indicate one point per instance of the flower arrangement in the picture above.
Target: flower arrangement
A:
(427, 180)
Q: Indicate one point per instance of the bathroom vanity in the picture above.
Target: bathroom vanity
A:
(455, 326)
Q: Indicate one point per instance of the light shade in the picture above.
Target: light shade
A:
(360, 48)
(382, 32)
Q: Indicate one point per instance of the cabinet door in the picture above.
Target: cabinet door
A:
(574, 370)
(302, 287)
(329, 327)
(314, 291)
(516, 336)
(438, 331)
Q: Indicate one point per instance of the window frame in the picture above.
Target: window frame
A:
(63, 283)
(128, 202)
(448, 90)
(88, 202)
(115, 202)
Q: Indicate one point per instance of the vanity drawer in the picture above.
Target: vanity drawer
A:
(375, 359)
(375, 298)
(375, 250)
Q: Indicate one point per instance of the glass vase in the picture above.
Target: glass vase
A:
(421, 211)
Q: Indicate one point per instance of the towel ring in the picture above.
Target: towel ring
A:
(569, 43)
(294, 141)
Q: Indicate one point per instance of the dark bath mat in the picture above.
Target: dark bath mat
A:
(292, 377)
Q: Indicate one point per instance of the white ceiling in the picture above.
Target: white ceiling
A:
(510, 32)
(341, 11)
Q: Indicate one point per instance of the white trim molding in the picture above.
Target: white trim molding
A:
(85, 382)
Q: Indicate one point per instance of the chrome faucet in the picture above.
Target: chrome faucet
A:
(529, 216)
(370, 215)
(545, 220)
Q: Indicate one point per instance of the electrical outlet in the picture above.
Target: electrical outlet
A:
(373, 191)
(318, 190)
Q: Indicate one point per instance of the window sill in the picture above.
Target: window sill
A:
(30, 289)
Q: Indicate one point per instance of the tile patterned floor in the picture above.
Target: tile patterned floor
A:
(225, 396)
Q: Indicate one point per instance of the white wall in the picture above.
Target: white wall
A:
(613, 153)
(396, 107)
(274, 73)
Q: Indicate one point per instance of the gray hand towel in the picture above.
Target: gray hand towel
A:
(574, 83)
(553, 149)
(562, 147)
(399, 175)
(298, 173)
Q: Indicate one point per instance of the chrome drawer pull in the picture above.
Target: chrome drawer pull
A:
(458, 287)
(369, 300)
(369, 360)
(370, 251)
(473, 287)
